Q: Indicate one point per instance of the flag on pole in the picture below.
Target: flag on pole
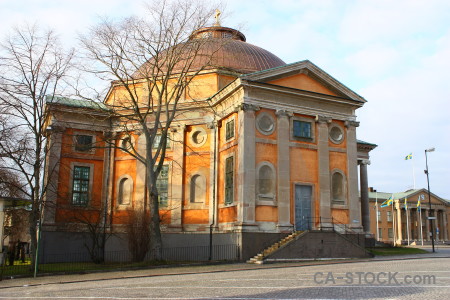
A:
(409, 156)
(406, 203)
(388, 202)
(418, 203)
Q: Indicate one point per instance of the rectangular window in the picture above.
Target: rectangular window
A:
(379, 233)
(389, 216)
(379, 216)
(80, 187)
(157, 141)
(302, 129)
(162, 184)
(390, 233)
(83, 143)
(229, 180)
(229, 130)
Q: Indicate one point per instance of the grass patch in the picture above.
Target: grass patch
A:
(385, 251)
(77, 267)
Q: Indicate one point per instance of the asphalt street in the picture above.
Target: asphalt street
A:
(415, 277)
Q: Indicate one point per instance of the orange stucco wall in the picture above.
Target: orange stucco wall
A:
(303, 82)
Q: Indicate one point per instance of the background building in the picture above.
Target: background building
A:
(397, 223)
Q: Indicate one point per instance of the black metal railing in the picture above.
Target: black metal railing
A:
(82, 261)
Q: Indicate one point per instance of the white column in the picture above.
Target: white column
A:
(283, 171)
(246, 176)
(213, 166)
(398, 222)
(352, 165)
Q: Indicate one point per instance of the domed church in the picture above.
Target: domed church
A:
(273, 152)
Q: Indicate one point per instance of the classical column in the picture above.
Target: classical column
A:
(398, 222)
(246, 175)
(364, 187)
(283, 171)
(445, 229)
(53, 159)
(352, 180)
(176, 199)
(408, 224)
(427, 222)
(324, 168)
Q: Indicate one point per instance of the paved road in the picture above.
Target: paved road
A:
(346, 280)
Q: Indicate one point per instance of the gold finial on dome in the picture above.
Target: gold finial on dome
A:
(217, 17)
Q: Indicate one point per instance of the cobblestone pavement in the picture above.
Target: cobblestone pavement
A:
(426, 278)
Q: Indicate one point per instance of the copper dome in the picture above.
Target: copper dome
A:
(225, 48)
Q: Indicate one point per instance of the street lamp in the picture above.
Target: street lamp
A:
(429, 195)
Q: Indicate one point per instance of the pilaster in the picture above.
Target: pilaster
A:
(398, 222)
(213, 166)
(246, 174)
(283, 171)
(324, 167)
(176, 201)
(53, 158)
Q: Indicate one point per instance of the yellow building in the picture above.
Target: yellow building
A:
(405, 221)
(276, 152)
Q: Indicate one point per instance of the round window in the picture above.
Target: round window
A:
(336, 134)
(265, 123)
(198, 137)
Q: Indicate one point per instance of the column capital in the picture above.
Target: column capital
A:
(248, 107)
(323, 119)
(351, 123)
(364, 162)
(283, 113)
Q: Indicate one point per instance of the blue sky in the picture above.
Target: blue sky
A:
(393, 53)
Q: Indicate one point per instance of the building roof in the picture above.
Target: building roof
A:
(75, 102)
(220, 48)
(365, 143)
(381, 196)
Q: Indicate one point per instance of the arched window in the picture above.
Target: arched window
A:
(266, 181)
(198, 189)
(338, 187)
(124, 192)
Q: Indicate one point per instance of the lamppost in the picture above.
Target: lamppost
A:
(430, 219)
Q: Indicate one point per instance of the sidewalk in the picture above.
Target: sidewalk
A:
(441, 251)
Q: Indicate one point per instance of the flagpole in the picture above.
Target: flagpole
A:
(414, 175)
(393, 220)
(376, 211)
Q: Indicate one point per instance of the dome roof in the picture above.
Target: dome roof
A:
(225, 48)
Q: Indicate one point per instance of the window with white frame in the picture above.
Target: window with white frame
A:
(80, 185)
(390, 233)
(83, 142)
(229, 130)
(389, 216)
(229, 180)
(157, 141)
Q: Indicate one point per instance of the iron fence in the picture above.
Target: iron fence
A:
(82, 261)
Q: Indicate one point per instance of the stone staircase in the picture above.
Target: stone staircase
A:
(259, 258)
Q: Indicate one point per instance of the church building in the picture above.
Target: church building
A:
(274, 151)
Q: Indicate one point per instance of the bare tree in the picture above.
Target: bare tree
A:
(151, 63)
(32, 66)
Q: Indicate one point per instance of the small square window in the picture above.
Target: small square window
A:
(229, 130)
(302, 129)
(157, 141)
(83, 143)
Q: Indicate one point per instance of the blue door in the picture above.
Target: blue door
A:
(303, 207)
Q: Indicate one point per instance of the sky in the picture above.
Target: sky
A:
(396, 54)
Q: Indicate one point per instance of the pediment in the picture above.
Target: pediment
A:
(304, 75)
